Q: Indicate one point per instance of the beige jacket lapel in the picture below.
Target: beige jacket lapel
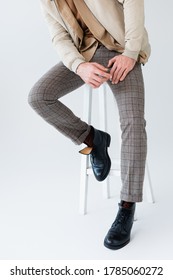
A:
(96, 28)
(69, 18)
(108, 9)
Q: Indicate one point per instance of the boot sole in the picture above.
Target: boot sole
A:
(116, 247)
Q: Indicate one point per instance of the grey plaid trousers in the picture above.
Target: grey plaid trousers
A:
(129, 94)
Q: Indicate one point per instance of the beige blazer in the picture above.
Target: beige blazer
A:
(123, 19)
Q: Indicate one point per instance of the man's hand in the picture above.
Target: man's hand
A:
(120, 66)
(93, 73)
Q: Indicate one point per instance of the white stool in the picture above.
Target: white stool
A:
(86, 169)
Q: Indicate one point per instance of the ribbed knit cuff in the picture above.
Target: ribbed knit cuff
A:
(131, 54)
(76, 63)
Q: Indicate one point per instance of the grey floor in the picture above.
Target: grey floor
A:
(39, 214)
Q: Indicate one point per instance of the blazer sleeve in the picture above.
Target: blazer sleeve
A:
(62, 42)
(134, 26)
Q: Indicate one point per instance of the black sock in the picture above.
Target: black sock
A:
(89, 139)
(126, 204)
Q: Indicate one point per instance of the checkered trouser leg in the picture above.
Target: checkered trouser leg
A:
(129, 95)
(44, 99)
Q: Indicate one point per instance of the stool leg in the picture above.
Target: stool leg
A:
(83, 186)
(148, 185)
(85, 160)
(103, 126)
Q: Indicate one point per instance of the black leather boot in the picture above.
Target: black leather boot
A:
(119, 234)
(100, 160)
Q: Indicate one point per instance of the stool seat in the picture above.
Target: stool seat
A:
(115, 170)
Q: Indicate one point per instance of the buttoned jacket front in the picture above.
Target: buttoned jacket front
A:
(123, 19)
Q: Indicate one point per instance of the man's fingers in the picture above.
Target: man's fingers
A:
(100, 79)
(121, 66)
(94, 84)
(96, 81)
(111, 61)
(124, 75)
(119, 75)
(100, 67)
(101, 71)
(93, 73)
(103, 75)
(113, 69)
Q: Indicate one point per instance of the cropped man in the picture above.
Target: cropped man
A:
(100, 41)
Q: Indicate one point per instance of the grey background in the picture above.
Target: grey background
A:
(40, 169)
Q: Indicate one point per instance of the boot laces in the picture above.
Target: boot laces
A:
(121, 218)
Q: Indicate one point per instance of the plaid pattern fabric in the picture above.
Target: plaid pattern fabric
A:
(44, 99)
(129, 95)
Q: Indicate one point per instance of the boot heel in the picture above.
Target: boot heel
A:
(108, 140)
